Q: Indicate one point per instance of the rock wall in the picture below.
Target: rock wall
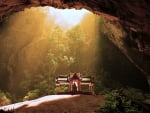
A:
(132, 13)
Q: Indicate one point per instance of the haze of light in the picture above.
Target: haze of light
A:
(67, 18)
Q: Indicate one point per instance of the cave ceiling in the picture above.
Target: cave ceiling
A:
(134, 14)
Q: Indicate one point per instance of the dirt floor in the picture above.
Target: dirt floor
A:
(76, 104)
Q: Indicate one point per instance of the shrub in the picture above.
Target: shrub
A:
(4, 100)
(123, 101)
(32, 95)
(61, 89)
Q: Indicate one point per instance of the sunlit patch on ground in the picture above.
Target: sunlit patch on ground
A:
(38, 101)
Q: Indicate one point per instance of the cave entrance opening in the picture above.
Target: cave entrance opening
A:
(38, 47)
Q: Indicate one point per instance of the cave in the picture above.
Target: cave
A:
(133, 15)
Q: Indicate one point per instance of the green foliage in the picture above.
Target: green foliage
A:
(123, 101)
(61, 89)
(36, 86)
(32, 94)
(134, 94)
(102, 82)
(4, 100)
(100, 88)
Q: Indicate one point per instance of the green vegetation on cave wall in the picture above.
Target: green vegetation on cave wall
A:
(34, 50)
